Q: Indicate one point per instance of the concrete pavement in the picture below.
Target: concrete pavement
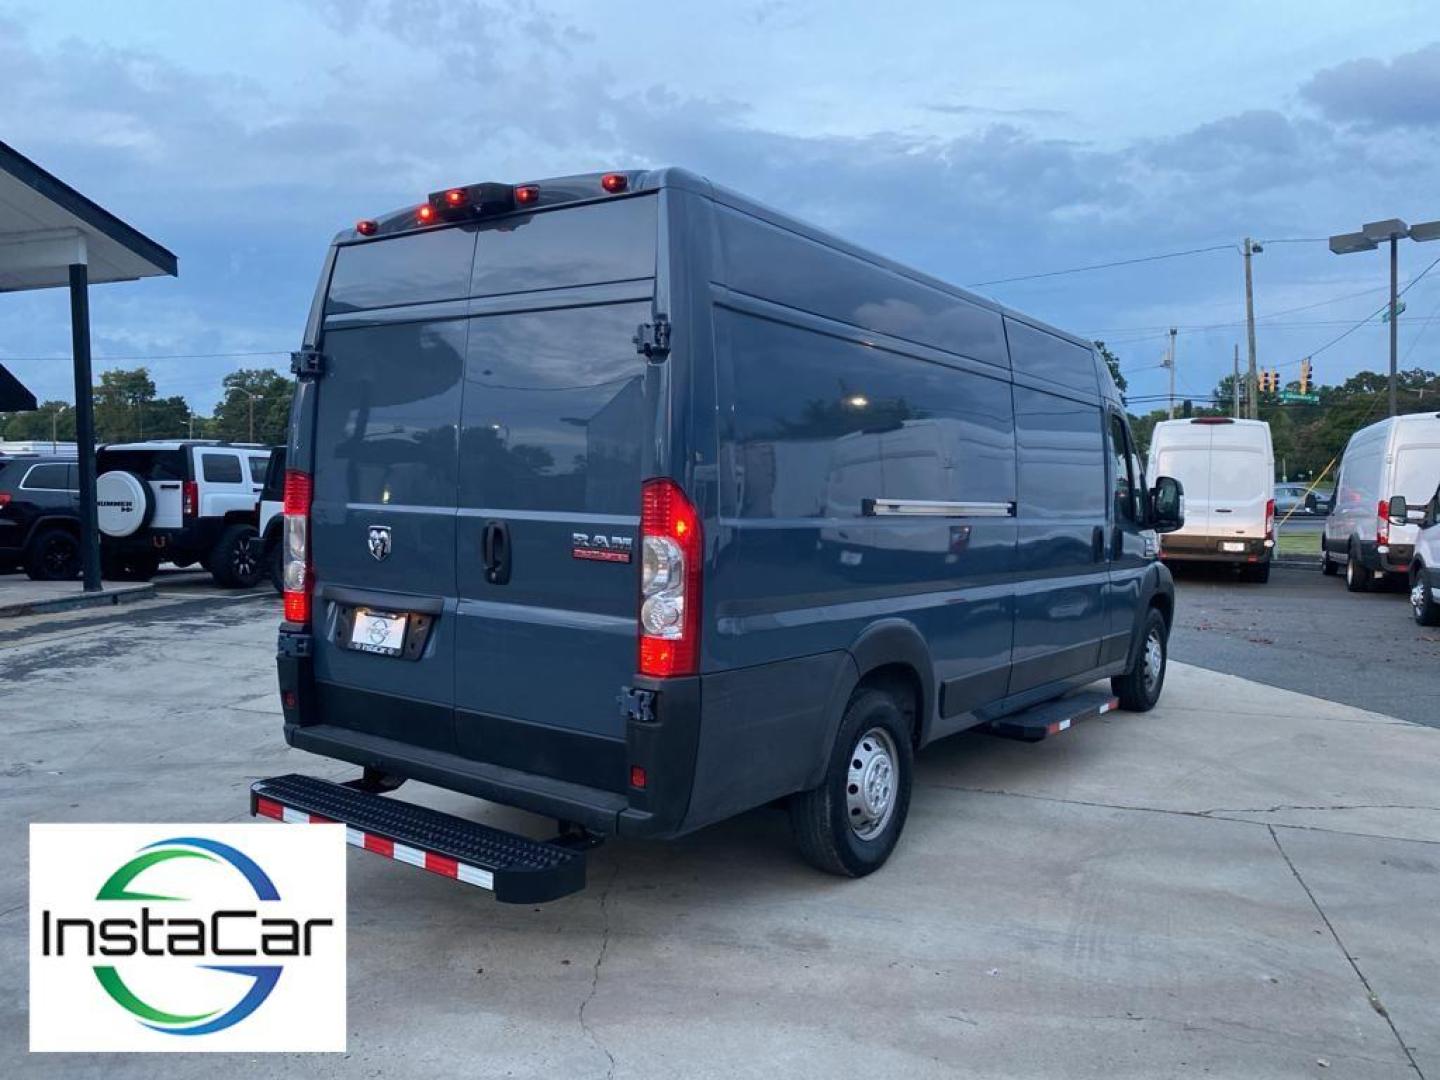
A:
(1241, 883)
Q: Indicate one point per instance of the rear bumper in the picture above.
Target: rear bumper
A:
(1209, 549)
(661, 741)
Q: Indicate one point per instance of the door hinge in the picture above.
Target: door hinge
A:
(638, 705)
(652, 340)
(308, 363)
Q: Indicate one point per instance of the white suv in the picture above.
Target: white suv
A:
(182, 502)
(1425, 564)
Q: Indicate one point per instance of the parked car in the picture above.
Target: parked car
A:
(1425, 563)
(1300, 500)
(1227, 467)
(184, 502)
(592, 460)
(1399, 455)
(272, 518)
(40, 517)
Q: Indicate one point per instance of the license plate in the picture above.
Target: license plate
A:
(378, 632)
(1231, 545)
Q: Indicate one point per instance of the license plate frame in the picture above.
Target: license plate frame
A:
(1232, 546)
(379, 633)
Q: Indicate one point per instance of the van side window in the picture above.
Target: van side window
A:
(822, 424)
(1062, 457)
(1047, 356)
(1122, 493)
(221, 468)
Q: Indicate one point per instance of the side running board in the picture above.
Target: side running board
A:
(1053, 717)
(517, 869)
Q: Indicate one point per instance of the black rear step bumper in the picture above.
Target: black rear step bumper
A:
(517, 869)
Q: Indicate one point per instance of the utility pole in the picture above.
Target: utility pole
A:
(1251, 381)
(1235, 385)
(1394, 315)
(1170, 363)
(252, 418)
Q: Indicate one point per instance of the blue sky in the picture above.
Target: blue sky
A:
(974, 141)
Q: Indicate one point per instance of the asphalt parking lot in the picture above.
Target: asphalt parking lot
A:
(1303, 631)
(1240, 883)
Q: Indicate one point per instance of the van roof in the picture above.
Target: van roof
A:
(180, 444)
(586, 188)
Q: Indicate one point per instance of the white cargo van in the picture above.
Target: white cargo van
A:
(1399, 455)
(1227, 468)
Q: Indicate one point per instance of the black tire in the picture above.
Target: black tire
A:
(235, 561)
(1357, 578)
(874, 728)
(1259, 573)
(1139, 688)
(1423, 604)
(1327, 567)
(53, 554)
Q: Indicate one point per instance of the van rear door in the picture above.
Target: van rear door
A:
(1240, 486)
(553, 430)
(385, 477)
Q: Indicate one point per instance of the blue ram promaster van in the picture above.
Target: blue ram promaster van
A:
(628, 501)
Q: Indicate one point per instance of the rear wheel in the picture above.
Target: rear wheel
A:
(1327, 567)
(275, 563)
(850, 824)
(53, 554)
(1423, 603)
(1139, 688)
(234, 562)
(1256, 572)
(1357, 578)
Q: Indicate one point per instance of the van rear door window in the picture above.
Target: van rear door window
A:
(584, 245)
(412, 269)
(553, 410)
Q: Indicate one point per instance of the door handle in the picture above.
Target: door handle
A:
(495, 552)
(1097, 543)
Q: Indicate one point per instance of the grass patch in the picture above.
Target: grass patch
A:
(1298, 543)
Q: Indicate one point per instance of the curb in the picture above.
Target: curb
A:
(106, 598)
(1298, 562)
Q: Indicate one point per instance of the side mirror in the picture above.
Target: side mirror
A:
(1167, 505)
(1398, 512)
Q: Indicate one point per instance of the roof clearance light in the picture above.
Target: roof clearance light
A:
(527, 195)
(614, 182)
(367, 227)
(425, 215)
(455, 197)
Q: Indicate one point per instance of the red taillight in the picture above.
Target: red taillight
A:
(4, 497)
(671, 548)
(614, 182)
(527, 195)
(296, 568)
(1382, 523)
(366, 227)
(637, 776)
(189, 499)
(1270, 520)
(425, 215)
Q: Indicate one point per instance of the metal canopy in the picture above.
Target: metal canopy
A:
(14, 395)
(46, 226)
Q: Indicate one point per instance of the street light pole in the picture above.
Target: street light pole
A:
(1170, 363)
(1368, 239)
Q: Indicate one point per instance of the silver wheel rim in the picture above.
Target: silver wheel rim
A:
(1417, 597)
(1350, 574)
(1154, 661)
(870, 784)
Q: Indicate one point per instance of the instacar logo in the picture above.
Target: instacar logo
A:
(188, 943)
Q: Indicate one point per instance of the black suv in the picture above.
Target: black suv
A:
(40, 517)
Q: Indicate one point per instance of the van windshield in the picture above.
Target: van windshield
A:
(1417, 471)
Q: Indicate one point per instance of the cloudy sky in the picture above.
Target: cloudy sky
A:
(975, 141)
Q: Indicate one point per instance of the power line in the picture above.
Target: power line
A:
(1103, 266)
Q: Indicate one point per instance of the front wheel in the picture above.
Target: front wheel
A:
(1357, 578)
(850, 824)
(1139, 688)
(234, 562)
(275, 564)
(1423, 604)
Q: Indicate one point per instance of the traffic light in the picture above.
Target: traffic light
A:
(1305, 376)
(1274, 380)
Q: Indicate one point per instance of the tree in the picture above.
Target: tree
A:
(53, 419)
(126, 408)
(263, 390)
(1113, 363)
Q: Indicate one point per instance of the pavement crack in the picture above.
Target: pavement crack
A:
(1371, 995)
(1296, 806)
(595, 973)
